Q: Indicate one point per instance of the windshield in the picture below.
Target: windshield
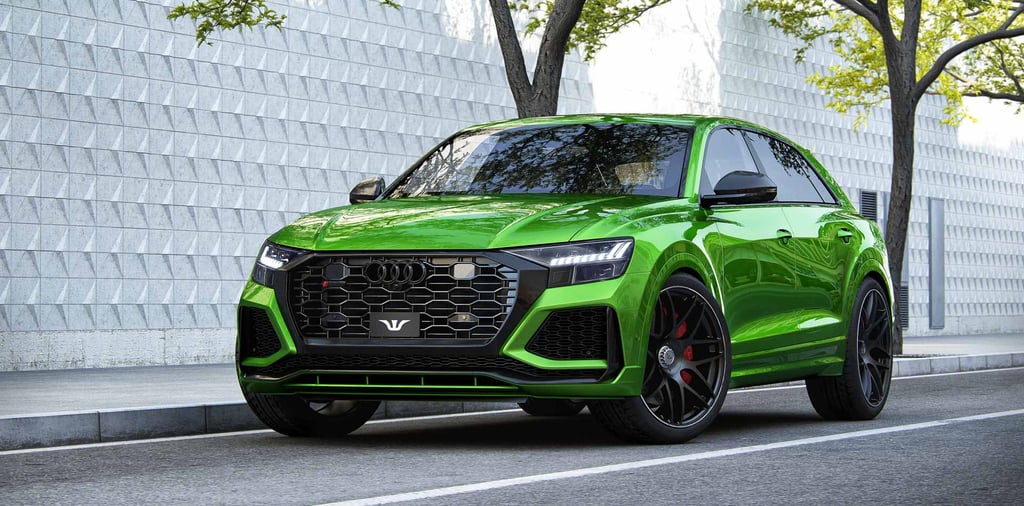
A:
(636, 158)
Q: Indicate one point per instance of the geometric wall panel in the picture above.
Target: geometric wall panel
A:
(139, 174)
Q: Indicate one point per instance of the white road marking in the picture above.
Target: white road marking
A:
(640, 464)
(132, 442)
(409, 419)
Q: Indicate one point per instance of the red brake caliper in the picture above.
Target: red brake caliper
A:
(687, 353)
(681, 331)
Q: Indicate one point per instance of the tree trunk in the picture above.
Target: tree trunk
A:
(898, 215)
(539, 97)
(901, 59)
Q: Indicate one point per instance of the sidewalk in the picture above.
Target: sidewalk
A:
(48, 408)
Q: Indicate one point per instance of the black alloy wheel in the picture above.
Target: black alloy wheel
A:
(862, 390)
(687, 370)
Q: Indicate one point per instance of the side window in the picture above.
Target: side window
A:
(796, 178)
(726, 151)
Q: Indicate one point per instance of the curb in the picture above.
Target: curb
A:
(95, 426)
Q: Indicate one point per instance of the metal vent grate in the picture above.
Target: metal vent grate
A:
(258, 336)
(903, 304)
(869, 205)
(573, 334)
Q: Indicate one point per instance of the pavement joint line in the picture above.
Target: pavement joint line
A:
(956, 373)
(98, 411)
(640, 464)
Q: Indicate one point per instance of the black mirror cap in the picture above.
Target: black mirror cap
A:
(742, 187)
(366, 190)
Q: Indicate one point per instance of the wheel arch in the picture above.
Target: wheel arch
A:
(682, 257)
(871, 264)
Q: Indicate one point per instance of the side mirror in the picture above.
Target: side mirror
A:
(742, 187)
(366, 190)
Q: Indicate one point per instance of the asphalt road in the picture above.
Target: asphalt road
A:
(947, 439)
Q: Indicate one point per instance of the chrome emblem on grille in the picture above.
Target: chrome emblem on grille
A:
(394, 325)
(395, 272)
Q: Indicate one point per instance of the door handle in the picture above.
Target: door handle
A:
(784, 235)
(845, 234)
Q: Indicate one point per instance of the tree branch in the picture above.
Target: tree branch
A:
(551, 55)
(975, 91)
(865, 9)
(911, 23)
(940, 63)
(1011, 97)
(618, 24)
(511, 52)
(1013, 16)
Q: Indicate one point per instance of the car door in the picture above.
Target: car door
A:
(756, 284)
(821, 247)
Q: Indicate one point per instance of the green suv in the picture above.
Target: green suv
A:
(640, 265)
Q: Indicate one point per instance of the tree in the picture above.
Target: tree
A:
(568, 24)
(900, 52)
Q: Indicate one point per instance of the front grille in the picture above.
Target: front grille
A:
(258, 336)
(572, 334)
(423, 363)
(457, 297)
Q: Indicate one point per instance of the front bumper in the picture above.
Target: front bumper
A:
(509, 365)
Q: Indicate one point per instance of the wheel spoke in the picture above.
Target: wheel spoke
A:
(865, 381)
(697, 375)
(715, 357)
(704, 403)
(871, 331)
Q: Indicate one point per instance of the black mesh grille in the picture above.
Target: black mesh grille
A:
(457, 297)
(424, 363)
(258, 336)
(574, 334)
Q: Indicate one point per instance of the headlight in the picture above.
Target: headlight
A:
(581, 262)
(271, 258)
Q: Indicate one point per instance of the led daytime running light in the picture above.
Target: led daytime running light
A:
(616, 253)
(269, 261)
(275, 257)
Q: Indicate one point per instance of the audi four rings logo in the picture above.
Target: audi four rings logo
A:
(395, 272)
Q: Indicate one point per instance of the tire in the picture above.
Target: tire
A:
(294, 416)
(861, 391)
(686, 372)
(552, 407)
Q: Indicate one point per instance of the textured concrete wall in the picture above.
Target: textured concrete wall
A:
(139, 174)
(711, 57)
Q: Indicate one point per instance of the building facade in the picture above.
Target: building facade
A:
(964, 269)
(139, 174)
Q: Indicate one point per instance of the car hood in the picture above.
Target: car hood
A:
(458, 222)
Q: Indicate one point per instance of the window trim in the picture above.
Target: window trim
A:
(814, 170)
(745, 129)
